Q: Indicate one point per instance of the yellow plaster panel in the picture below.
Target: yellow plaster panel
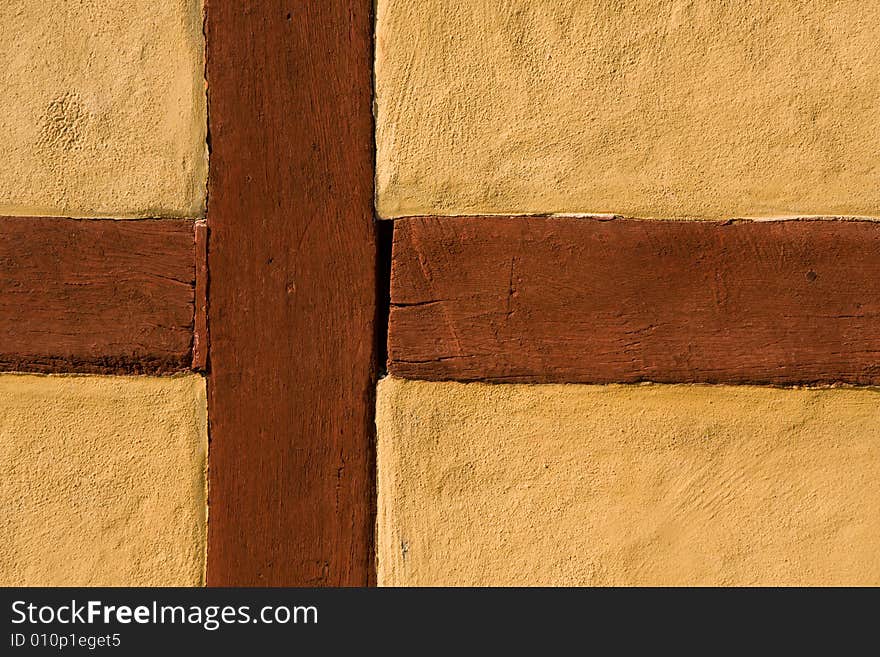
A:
(650, 108)
(102, 111)
(627, 485)
(102, 480)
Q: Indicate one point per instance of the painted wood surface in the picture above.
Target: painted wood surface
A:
(546, 299)
(98, 296)
(292, 261)
(200, 321)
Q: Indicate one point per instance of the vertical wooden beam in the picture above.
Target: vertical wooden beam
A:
(292, 307)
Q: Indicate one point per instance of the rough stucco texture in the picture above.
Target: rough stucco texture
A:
(103, 108)
(102, 480)
(627, 485)
(652, 108)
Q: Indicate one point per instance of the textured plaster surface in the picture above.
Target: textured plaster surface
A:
(103, 108)
(641, 485)
(652, 108)
(102, 480)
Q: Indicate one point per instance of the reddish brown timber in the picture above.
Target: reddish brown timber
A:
(98, 296)
(551, 299)
(292, 300)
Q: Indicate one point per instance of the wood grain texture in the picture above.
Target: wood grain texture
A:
(598, 301)
(98, 296)
(200, 323)
(292, 259)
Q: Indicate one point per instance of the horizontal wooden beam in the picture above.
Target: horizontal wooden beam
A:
(98, 296)
(549, 299)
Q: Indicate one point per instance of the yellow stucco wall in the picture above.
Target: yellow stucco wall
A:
(102, 480)
(652, 108)
(102, 111)
(677, 485)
